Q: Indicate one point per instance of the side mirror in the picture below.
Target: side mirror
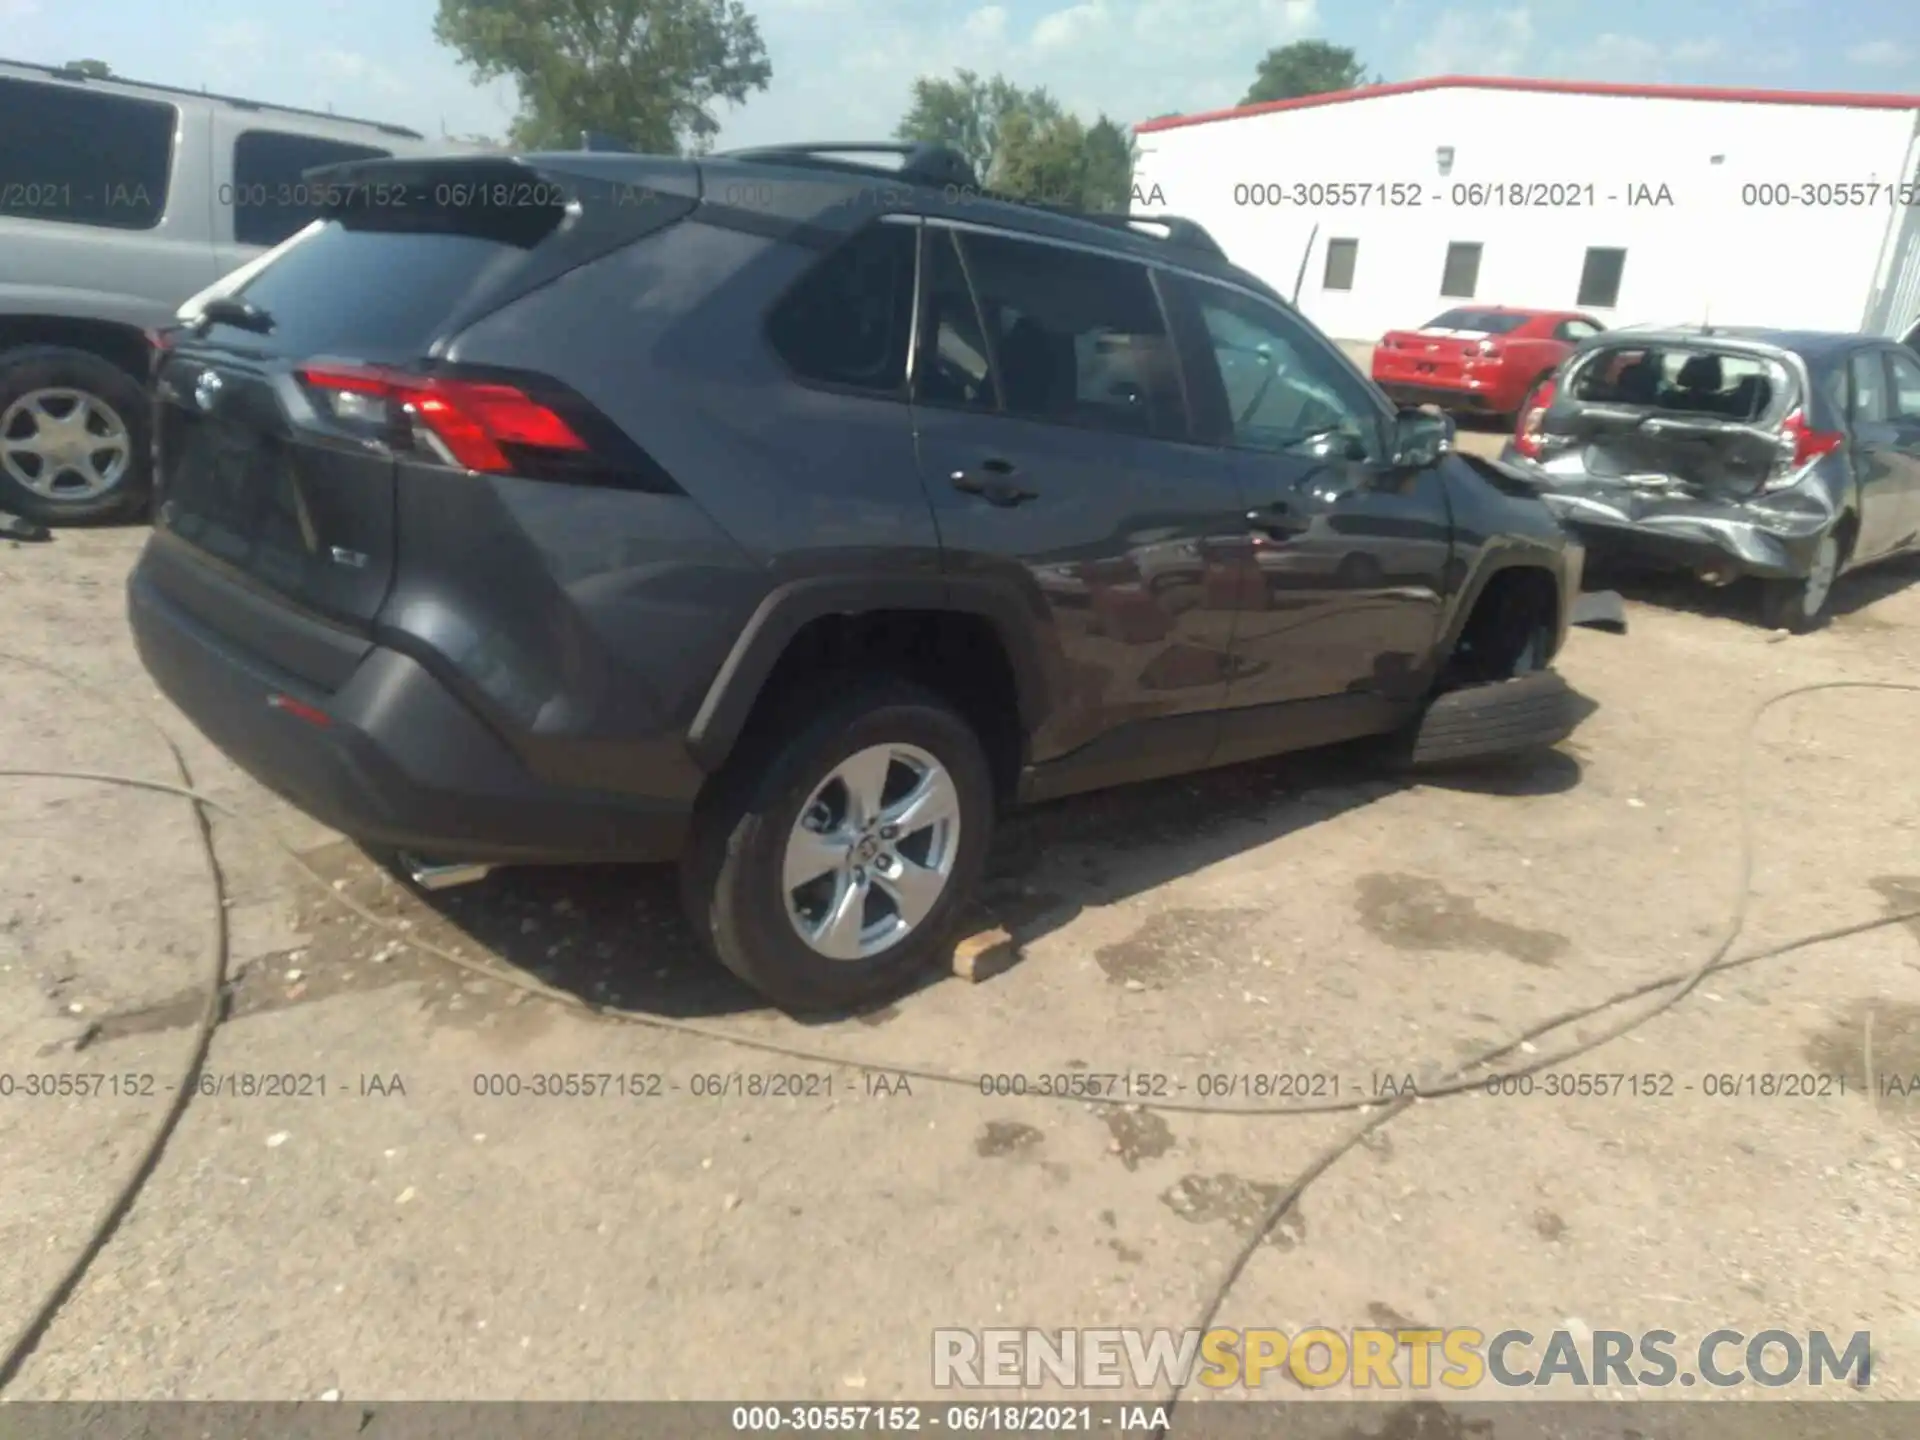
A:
(1421, 437)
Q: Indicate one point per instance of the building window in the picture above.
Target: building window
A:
(1340, 257)
(1462, 275)
(1600, 278)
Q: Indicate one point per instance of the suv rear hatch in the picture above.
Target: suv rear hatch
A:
(1674, 417)
(287, 412)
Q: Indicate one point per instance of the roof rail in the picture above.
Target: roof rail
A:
(1185, 233)
(66, 72)
(940, 165)
(920, 163)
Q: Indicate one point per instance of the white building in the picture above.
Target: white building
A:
(1635, 203)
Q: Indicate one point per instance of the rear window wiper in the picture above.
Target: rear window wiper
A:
(232, 310)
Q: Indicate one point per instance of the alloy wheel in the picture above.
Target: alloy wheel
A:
(872, 851)
(64, 444)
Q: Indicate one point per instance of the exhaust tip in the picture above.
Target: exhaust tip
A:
(443, 875)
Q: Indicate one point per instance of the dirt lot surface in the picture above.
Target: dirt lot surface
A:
(406, 1235)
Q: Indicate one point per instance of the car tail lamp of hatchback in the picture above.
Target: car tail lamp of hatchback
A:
(1808, 443)
(484, 425)
(1528, 435)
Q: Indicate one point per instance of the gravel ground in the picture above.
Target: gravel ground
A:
(405, 1236)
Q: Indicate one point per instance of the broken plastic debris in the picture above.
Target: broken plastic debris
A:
(277, 1139)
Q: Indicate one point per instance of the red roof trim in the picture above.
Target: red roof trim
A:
(1550, 87)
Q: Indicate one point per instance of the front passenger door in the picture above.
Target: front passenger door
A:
(1349, 561)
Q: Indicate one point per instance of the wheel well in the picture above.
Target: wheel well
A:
(1516, 606)
(957, 655)
(1846, 532)
(120, 345)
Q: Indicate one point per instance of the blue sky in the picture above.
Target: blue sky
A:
(842, 68)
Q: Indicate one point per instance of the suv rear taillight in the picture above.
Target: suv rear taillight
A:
(470, 423)
(1527, 436)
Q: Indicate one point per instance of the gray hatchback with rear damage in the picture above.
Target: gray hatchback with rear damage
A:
(1788, 456)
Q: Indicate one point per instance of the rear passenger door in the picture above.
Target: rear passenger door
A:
(1879, 467)
(1904, 373)
(1053, 441)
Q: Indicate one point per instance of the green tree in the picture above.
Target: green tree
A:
(967, 113)
(1306, 67)
(1043, 159)
(1111, 151)
(1023, 142)
(92, 69)
(646, 71)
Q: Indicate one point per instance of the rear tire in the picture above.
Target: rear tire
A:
(1802, 605)
(784, 796)
(53, 401)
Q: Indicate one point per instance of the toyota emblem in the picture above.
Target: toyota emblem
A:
(206, 389)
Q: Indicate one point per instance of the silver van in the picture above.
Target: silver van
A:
(120, 200)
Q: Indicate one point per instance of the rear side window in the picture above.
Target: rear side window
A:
(1684, 379)
(354, 293)
(83, 157)
(1575, 330)
(270, 200)
(952, 367)
(849, 321)
(1077, 339)
(1478, 322)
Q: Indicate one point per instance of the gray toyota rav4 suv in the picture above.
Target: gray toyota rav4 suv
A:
(787, 512)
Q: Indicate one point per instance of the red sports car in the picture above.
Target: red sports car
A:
(1481, 358)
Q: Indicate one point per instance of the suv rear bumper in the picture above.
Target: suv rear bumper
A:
(392, 758)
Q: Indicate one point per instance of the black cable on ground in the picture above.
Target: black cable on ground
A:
(1453, 1081)
(23, 1342)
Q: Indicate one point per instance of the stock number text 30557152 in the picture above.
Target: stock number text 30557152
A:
(1396, 194)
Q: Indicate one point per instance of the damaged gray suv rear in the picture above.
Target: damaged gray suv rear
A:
(1787, 456)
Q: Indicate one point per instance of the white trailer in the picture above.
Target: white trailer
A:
(1634, 203)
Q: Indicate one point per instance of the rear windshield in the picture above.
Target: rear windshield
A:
(1688, 380)
(372, 294)
(1479, 322)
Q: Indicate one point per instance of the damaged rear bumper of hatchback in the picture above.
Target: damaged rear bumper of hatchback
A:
(1661, 521)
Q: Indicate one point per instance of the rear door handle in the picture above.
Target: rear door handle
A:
(1278, 520)
(994, 483)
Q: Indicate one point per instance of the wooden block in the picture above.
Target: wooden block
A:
(984, 954)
